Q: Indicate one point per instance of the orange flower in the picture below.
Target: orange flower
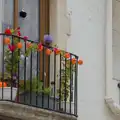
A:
(67, 55)
(3, 84)
(29, 45)
(73, 61)
(40, 47)
(57, 51)
(19, 45)
(7, 41)
(80, 62)
(48, 51)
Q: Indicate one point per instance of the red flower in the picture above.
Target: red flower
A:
(40, 47)
(19, 33)
(12, 47)
(8, 31)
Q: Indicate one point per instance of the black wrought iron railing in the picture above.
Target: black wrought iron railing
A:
(38, 75)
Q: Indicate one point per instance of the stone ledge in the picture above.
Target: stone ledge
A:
(24, 112)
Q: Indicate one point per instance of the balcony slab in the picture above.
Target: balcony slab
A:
(14, 111)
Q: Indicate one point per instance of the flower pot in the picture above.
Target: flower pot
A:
(42, 100)
(7, 93)
(67, 107)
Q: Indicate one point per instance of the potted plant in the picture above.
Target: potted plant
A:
(5, 88)
(33, 91)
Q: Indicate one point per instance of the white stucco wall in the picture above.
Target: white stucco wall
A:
(88, 38)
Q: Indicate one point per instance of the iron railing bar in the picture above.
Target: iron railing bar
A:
(31, 77)
(70, 81)
(75, 87)
(48, 77)
(37, 77)
(12, 69)
(18, 82)
(43, 77)
(65, 84)
(60, 83)
(3, 68)
(25, 73)
(54, 80)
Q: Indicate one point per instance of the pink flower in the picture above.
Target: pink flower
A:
(40, 47)
(12, 47)
(25, 38)
(55, 49)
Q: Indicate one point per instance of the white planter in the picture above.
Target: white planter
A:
(7, 93)
(67, 107)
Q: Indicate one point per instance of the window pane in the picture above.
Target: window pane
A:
(8, 13)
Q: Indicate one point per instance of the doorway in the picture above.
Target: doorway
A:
(34, 25)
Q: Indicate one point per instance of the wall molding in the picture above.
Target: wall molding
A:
(113, 106)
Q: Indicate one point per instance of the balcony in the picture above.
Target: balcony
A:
(38, 75)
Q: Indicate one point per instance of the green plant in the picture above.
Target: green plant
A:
(35, 86)
(11, 61)
(6, 76)
(66, 73)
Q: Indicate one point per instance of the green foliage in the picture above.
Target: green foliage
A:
(12, 58)
(35, 85)
(6, 76)
(11, 61)
(66, 74)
